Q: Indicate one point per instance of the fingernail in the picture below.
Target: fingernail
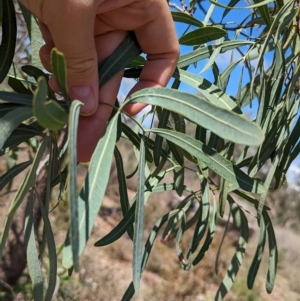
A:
(86, 95)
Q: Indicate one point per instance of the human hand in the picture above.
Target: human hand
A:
(88, 31)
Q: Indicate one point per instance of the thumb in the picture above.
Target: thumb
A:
(73, 34)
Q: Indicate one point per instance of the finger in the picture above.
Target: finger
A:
(91, 128)
(159, 41)
(75, 38)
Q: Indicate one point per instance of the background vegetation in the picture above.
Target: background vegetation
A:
(216, 169)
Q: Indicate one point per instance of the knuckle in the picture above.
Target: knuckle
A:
(77, 69)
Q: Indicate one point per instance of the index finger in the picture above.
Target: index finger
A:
(158, 40)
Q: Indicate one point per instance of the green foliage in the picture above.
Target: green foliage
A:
(223, 141)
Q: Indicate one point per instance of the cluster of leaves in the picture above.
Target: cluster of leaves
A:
(220, 130)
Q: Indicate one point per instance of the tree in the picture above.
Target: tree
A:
(33, 113)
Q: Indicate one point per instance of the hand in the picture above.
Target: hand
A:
(88, 31)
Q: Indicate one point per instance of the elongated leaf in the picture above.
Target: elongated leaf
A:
(264, 12)
(205, 52)
(180, 232)
(241, 222)
(10, 121)
(136, 141)
(34, 266)
(225, 124)
(36, 43)
(12, 173)
(18, 86)
(185, 18)
(52, 252)
(27, 17)
(163, 121)
(202, 35)
(139, 222)
(148, 247)
(22, 99)
(21, 193)
(273, 254)
(261, 3)
(258, 254)
(127, 221)
(203, 218)
(280, 15)
(124, 54)
(209, 236)
(91, 195)
(49, 114)
(36, 73)
(179, 180)
(59, 68)
(72, 179)
(125, 205)
(213, 93)
(213, 160)
(227, 10)
(9, 35)
(22, 133)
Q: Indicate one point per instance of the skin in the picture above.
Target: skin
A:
(88, 31)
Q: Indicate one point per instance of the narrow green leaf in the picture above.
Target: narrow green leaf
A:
(59, 68)
(205, 52)
(261, 3)
(202, 35)
(10, 121)
(124, 54)
(12, 173)
(185, 18)
(209, 236)
(18, 86)
(179, 180)
(36, 73)
(213, 160)
(49, 114)
(223, 196)
(163, 121)
(9, 35)
(36, 43)
(212, 92)
(136, 141)
(51, 250)
(203, 218)
(139, 222)
(27, 182)
(92, 193)
(21, 99)
(180, 232)
(273, 254)
(125, 205)
(240, 221)
(225, 124)
(148, 247)
(138, 61)
(289, 5)
(127, 221)
(27, 17)
(119, 230)
(212, 61)
(34, 266)
(258, 254)
(72, 180)
(264, 12)
(232, 3)
(21, 134)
